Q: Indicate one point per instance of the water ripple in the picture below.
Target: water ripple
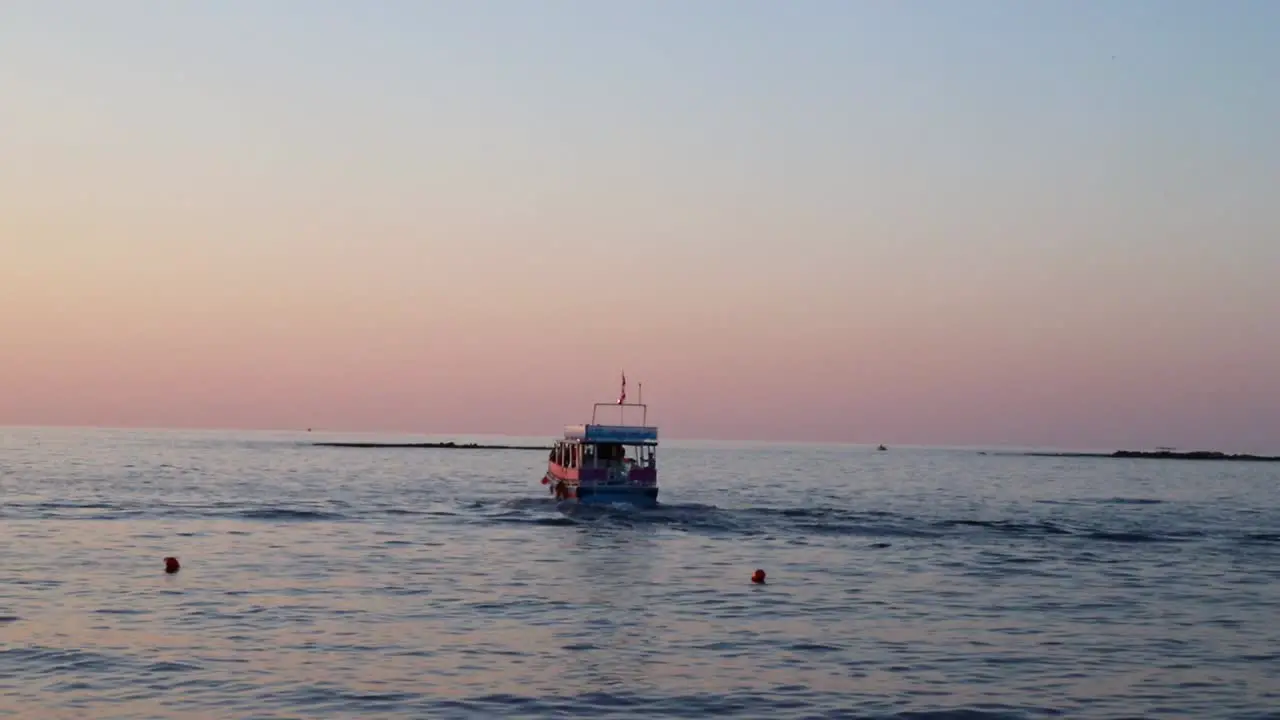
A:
(911, 584)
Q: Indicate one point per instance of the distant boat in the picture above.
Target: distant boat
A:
(881, 448)
(605, 464)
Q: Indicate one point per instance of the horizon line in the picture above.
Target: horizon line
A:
(463, 434)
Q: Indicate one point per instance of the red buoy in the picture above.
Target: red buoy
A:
(758, 577)
(171, 565)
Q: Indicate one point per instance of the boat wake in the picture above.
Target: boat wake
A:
(886, 526)
(1126, 527)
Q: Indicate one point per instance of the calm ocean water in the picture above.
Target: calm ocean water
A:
(438, 584)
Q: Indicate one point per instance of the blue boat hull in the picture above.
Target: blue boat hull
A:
(602, 495)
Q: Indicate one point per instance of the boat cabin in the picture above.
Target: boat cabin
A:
(607, 455)
(604, 463)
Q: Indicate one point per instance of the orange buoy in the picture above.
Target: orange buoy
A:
(171, 565)
(758, 577)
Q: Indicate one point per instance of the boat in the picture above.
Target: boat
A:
(600, 464)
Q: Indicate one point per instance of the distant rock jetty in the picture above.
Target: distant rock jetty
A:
(1163, 455)
(432, 446)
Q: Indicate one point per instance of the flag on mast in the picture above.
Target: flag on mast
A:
(623, 396)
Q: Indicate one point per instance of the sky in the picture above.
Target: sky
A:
(928, 222)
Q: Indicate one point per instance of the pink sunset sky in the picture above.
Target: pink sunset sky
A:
(793, 225)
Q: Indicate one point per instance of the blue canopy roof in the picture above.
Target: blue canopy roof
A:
(624, 434)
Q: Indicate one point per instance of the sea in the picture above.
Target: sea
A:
(416, 583)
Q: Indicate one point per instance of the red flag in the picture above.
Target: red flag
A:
(623, 397)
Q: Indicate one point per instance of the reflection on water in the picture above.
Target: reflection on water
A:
(610, 639)
(358, 584)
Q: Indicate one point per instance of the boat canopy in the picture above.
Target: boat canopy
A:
(620, 434)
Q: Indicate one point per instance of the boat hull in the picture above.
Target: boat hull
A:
(568, 490)
(603, 495)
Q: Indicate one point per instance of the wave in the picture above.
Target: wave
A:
(1009, 527)
(783, 701)
(707, 519)
(289, 514)
(835, 521)
(1136, 537)
(1103, 501)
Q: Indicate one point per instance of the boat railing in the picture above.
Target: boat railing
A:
(644, 414)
